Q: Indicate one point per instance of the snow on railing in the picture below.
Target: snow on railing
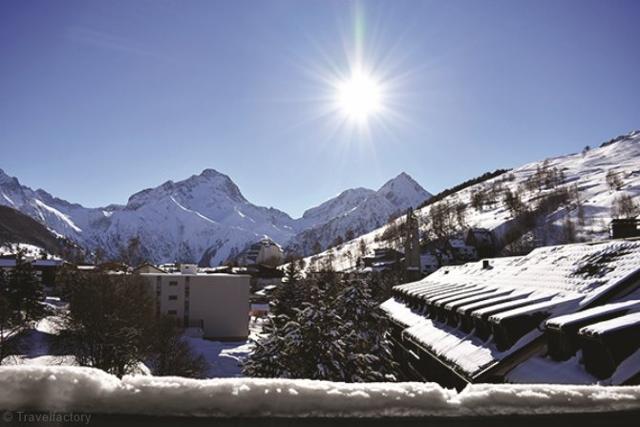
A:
(77, 389)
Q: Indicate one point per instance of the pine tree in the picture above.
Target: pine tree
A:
(287, 296)
(336, 334)
(369, 357)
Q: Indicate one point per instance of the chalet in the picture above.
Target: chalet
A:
(561, 314)
(383, 259)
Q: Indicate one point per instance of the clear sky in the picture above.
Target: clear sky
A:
(100, 99)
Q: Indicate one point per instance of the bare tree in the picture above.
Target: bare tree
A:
(624, 207)
(110, 320)
(613, 180)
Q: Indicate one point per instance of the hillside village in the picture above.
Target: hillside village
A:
(558, 200)
(520, 276)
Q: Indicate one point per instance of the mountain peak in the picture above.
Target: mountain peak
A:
(404, 191)
(8, 179)
(210, 173)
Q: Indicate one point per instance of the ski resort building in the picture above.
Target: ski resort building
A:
(266, 251)
(218, 304)
(561, 314)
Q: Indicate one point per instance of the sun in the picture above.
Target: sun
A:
(359, 96)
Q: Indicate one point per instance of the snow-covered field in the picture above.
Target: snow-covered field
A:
(224, 357)
(57, 388)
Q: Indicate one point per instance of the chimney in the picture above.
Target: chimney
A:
(485, 264)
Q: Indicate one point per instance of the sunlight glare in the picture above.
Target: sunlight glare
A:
(360, 96)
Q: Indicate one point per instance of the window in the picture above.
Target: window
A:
(173, 283)
(173, 297)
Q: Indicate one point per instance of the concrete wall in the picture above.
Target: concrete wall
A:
(219, 301)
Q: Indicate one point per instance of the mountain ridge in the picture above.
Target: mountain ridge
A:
(203, 218)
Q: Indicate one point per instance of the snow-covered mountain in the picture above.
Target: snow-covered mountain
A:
(581, 202)
(204, 218)
(355, 212)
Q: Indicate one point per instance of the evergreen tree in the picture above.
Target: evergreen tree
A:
(307, 346)
(369, 357)
(287, 296)
(336, 334)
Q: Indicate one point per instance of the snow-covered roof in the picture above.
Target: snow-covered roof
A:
(453, 312)
(593, 313)
(622, 322)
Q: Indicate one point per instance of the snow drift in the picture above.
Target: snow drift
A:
(48, 388)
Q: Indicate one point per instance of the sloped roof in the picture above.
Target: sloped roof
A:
(508, 297)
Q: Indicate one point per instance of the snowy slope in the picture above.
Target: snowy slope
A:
(585, 171)
(356, 212)
(204, 218)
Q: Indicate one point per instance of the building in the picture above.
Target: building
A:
(561, 314)
(624, 228)
(147, 267)
(266, 252)
(44, 269)
(383, 259)
(483, 240)
(218, 304)
(462, 251)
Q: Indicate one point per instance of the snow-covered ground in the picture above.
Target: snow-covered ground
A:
(75, 389)
(31, 251)
(224, 357)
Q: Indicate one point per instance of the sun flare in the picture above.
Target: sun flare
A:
(359, 96)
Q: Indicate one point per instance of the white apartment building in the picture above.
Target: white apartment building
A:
(216, 303)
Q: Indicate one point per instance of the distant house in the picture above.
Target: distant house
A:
(561, 314)
(148, 268)
(383, 259)
(462, 251)
(483, 240)
(266, 251)
(44, 269)
(218, 304)
(624, 228)
(263, 276)
(429, 262)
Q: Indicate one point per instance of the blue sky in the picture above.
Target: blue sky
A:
(101, 99)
